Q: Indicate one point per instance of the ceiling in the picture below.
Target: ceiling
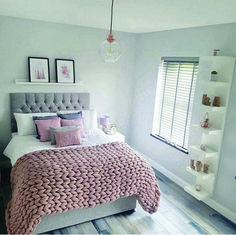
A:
(135, 16)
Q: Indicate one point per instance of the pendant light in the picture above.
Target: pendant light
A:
(110, 50)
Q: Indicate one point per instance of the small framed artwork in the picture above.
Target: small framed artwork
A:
(65, 71)
(38, 69)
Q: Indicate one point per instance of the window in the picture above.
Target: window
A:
(174, 99)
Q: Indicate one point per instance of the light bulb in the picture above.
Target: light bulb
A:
(110, 51)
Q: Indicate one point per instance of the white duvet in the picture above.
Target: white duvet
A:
(20, 145)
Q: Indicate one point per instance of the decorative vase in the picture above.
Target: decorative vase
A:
(216, 101)
(192, 164)
(199, 166)
(198, 187)
(205, 168)
(216, 52)
(203, 147)
(205, 121)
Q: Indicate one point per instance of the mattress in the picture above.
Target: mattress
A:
(20, 145)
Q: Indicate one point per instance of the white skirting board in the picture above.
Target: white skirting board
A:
(210, 202)
(221, 209)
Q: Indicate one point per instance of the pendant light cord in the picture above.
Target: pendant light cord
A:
(111, 16)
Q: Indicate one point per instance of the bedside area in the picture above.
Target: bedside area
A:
(116, 137)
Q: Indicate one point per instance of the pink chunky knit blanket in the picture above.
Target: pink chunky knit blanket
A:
(54, 181)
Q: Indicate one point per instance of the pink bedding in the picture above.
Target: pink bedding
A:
(54, 181)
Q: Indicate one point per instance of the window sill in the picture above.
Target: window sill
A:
(172, 145)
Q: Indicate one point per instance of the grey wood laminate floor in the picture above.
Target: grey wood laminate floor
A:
(178, 213)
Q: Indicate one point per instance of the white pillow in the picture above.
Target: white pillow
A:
(90, 118)
(25, 122)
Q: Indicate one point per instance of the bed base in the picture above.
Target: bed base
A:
(69, 218)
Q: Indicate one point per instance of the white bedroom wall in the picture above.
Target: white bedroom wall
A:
(192, 42)
(110, 85)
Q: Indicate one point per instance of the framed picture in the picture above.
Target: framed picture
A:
(65, 71)
(38, 69)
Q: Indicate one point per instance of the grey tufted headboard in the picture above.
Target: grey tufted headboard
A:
(46, 102)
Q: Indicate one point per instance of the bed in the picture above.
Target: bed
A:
(95, 139)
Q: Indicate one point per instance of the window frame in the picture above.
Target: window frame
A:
(195, 62)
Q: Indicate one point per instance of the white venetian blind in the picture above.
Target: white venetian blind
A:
(174, 99)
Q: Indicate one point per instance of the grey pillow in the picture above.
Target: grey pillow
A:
(52, 129)
(70, 116)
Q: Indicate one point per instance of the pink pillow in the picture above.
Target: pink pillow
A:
(75, 122)
(44, 127)
(67, 137)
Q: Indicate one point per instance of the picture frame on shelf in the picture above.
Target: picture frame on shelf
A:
(65, 71)
(38, 70)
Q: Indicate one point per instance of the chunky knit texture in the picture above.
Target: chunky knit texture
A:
(54, 181)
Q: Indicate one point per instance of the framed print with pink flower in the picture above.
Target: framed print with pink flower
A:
(65, 71)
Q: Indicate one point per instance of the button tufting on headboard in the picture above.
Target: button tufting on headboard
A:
(46, 102)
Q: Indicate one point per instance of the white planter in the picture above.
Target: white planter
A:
(213, 77)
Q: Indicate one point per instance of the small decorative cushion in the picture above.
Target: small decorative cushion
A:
(62, 128)
(75, 122)
(67, 137)
(44, 127)
(89, 116)
(42, 118)
(70, 116)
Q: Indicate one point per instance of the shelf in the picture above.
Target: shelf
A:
(208, 131)
(200, 174)
(211, 137)
(22, 82)
(214, 83)
(200, 195)
(212, 108)
(208, 153)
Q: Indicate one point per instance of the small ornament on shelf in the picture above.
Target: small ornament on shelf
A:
(199, 165)
(205, 122)
(216, 101)
(106, 130)
(203, 147)
(213, 75)
(206, 100)
(205, 168)
(198, 187)
(192, 164)
(113, 129)
(216, 52)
